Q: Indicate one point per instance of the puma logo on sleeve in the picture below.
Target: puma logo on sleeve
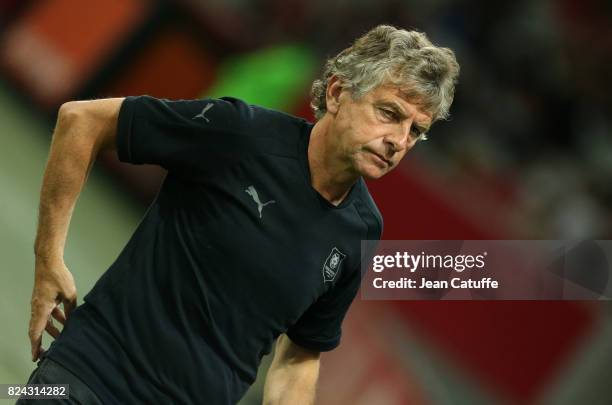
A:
(206, 108)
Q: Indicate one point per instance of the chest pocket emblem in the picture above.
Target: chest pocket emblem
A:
(332, 264)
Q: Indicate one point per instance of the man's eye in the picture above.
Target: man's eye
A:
(418, 134)
(389, 114)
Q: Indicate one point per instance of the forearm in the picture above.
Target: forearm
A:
(291, 382)
(71, 156)
(83, 128)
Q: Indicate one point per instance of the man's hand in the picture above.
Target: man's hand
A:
(53, 285)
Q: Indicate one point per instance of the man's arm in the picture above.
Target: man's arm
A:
(292, 377)
(83, 129)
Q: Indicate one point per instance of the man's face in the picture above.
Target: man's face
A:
(374, 133)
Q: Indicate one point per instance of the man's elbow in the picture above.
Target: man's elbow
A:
(67, 113)
(96, 119)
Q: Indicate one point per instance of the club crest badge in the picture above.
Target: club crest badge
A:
(332, 264)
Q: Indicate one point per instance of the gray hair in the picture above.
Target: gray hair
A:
(387, 55)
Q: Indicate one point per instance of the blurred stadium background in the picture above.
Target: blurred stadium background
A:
(527, 155)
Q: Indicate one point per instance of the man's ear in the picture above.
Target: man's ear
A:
(332, 95)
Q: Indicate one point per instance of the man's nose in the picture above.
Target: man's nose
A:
(399, 139)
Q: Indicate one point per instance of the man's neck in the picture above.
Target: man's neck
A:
(330, 175)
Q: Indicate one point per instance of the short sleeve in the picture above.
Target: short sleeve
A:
(320, 327)
(181, 134)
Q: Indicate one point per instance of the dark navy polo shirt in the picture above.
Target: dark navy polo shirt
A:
(236, 249)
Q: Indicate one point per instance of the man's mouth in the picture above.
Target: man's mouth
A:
(381, 158)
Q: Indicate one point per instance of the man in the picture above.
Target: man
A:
(254, 235)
